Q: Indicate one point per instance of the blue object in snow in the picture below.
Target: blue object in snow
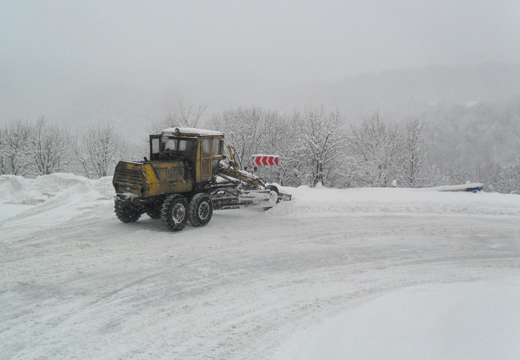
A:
(475, 189)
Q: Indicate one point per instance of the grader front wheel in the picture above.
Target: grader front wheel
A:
(126, 211)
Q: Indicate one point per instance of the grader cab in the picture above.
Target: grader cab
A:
(185, 178)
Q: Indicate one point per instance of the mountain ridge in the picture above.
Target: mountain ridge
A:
(400, 93)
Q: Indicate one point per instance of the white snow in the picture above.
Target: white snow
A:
(194, 131)
(471, 320)
(333, 274)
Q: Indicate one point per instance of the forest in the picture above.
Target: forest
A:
(444, 146)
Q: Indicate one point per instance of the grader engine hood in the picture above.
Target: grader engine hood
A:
(152, 178)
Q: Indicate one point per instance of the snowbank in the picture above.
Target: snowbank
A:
(53, 191)
(19, 190)
(308, 202)
(56, 197)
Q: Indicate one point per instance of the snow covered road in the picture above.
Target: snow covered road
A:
(77, 284)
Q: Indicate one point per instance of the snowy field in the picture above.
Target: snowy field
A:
(333, 274)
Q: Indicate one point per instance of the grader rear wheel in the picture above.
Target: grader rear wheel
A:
(200, 209)
(174, 213)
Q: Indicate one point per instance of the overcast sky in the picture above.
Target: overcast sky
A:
(90, 60)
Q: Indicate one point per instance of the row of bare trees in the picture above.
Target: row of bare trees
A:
(40, 148)
(317, 146)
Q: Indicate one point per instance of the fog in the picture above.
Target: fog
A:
(80, 62)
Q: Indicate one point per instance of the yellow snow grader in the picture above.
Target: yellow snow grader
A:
(187, 177)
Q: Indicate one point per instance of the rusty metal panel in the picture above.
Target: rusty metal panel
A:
(205, 170)
(170, 171)
(168, 177)
(129, 178)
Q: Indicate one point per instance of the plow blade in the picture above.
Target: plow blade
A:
(232, 198)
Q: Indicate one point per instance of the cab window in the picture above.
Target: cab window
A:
(155, 146)
(184, 145)
(170, 145)
(217, 149)
(206, 147)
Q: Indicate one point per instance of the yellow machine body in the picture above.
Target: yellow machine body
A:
(181, 161)
(152, 178)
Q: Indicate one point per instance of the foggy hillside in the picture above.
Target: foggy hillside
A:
(398, 94)
(473, 111)
(471, 136)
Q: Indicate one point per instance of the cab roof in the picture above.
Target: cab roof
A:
(190, 132)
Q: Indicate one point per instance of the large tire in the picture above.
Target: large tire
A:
(200, 209)
(126, 211)
(174, 213)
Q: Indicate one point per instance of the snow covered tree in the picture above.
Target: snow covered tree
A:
(99, 150)
(413, 152)
(376, 144)
(244, 129)
(280, 137)
(321, 140)
(51, 148)
(309, 144)
(14, 143)
(503, 178)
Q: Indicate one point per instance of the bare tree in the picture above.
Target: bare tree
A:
(3, 165)
(51, 148)
(279, 136)
(321, 140)
(3, 153)
(183, 116)
(309, 143)
(377, 145)
(100, 149)
(190, 115)
(500, 177)
(14, 144)
(244, 129)
(414, 151)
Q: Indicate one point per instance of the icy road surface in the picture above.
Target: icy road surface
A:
(329, 266)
